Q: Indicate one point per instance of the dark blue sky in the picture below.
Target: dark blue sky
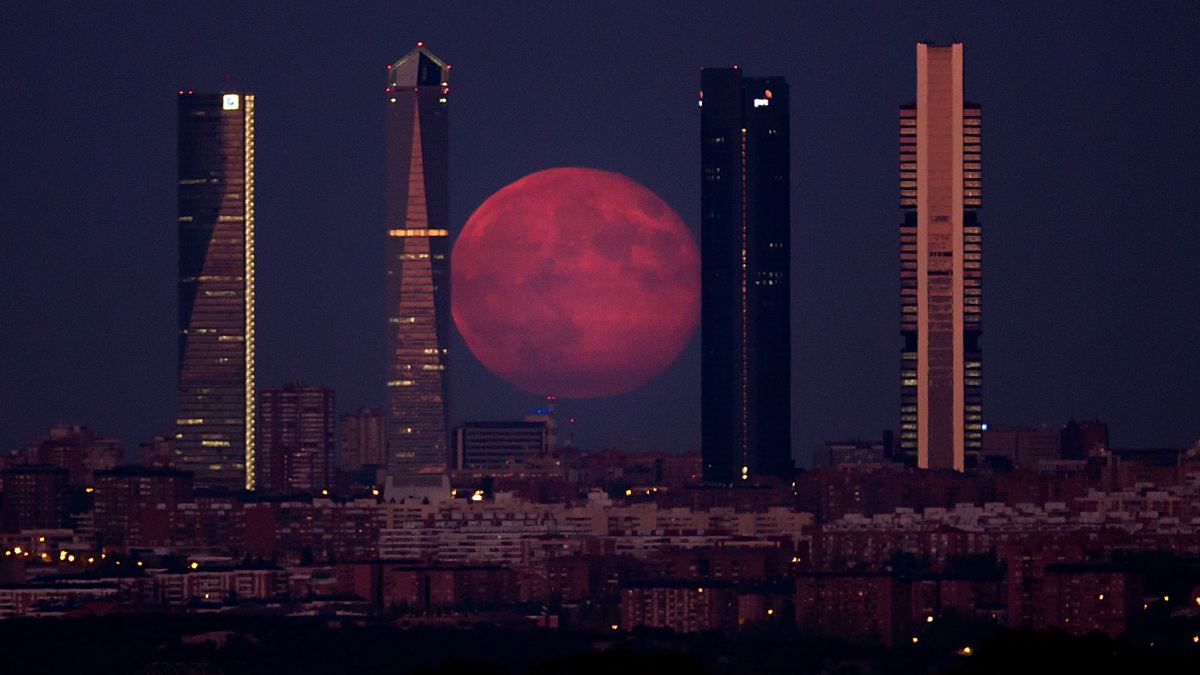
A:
(1091, 186)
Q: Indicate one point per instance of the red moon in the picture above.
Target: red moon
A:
(575, 282)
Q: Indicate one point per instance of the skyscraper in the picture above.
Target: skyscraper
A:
(418, 269)
(296, 439)
(215, 419)
(941, 413)
(745, 249)
(363, 439)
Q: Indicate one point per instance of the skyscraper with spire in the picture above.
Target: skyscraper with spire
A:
(941, 282)
(216, 406)
(418, 273)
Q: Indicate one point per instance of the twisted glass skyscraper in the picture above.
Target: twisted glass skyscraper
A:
(216, 415)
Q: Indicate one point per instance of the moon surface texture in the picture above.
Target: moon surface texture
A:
(575, 282)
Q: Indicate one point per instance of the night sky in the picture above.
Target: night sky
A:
(1091, 182)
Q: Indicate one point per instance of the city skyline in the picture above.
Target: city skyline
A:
(1080, 370)
(663, 394)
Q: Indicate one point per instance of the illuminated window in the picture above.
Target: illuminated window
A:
(418, 233)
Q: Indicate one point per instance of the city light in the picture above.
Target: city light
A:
(891, 513)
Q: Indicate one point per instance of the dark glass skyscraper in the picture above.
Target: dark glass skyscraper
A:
(745, 249)
(215, 420)
(418, 268)
(941, 261)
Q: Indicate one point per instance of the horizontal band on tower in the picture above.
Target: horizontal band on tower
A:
(418, 233)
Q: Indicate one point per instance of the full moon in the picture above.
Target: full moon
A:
(575, 282)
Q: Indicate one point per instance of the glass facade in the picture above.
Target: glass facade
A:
(216, 405)
(745, 248)
(418, 269)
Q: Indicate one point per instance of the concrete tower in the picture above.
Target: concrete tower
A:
(941, 412)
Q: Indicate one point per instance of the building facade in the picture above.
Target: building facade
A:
(745, 248)
(78, 449)
(35, 498)
(363, 439)
(296, 439)
(1081, 440)
(1021, 447)
(215, 421)
(127, 496)
(418, 269)
(941, 413)
(499, 445)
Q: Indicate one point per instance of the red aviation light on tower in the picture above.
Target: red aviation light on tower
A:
(767, 93)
